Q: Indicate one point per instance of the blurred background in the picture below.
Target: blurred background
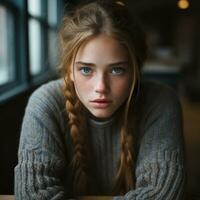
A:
(29, 58)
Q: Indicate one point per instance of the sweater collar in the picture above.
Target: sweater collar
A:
(101, 124)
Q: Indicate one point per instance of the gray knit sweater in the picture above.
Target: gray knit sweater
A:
(42, 172)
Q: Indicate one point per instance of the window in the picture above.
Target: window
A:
(35, 36)
(53, 49)
(7, 72)
(35, 47)
(52, 12)
(52, 33)
(34, 7)
(28, 43)
(42, 35)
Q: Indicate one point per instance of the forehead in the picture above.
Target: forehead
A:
(102, 49)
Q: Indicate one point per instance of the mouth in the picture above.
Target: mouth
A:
(100, 103)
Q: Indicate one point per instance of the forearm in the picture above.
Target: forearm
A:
(159, 180)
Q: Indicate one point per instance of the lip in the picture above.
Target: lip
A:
(100, 100)
(100, 103)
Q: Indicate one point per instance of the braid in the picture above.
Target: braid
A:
(125, 180)
(77, 28)
(77, 123)
(125, 177)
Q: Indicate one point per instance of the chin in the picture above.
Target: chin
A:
(101, 115)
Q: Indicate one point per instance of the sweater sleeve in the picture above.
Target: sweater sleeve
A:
(41, 154)
(160, 169)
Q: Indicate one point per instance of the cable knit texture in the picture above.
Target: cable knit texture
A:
(45, 148)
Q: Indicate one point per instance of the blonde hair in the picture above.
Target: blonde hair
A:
(77, 28)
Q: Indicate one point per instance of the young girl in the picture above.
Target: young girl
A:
(99, 130)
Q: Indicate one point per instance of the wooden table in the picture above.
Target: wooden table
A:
(11, 197)
(7, 197)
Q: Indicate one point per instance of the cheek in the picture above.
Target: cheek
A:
(82, 86)
(122, 87)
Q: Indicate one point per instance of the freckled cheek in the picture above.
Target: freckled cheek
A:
(83, 86)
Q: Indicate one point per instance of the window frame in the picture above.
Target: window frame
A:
(23, 79)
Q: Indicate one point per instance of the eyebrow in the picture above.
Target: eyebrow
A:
(111, 64)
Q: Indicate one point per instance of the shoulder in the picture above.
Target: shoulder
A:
(160, 112)
(161, 127)
(155, 95)
(48, 97)
(44, 118)
(51, 88)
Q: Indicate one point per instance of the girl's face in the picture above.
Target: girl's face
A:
(102, 75)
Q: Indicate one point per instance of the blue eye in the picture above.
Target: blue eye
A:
(117, 70)
(86, 70)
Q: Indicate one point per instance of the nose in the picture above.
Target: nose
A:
(101, 84)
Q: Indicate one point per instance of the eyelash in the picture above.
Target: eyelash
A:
(113, 72)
